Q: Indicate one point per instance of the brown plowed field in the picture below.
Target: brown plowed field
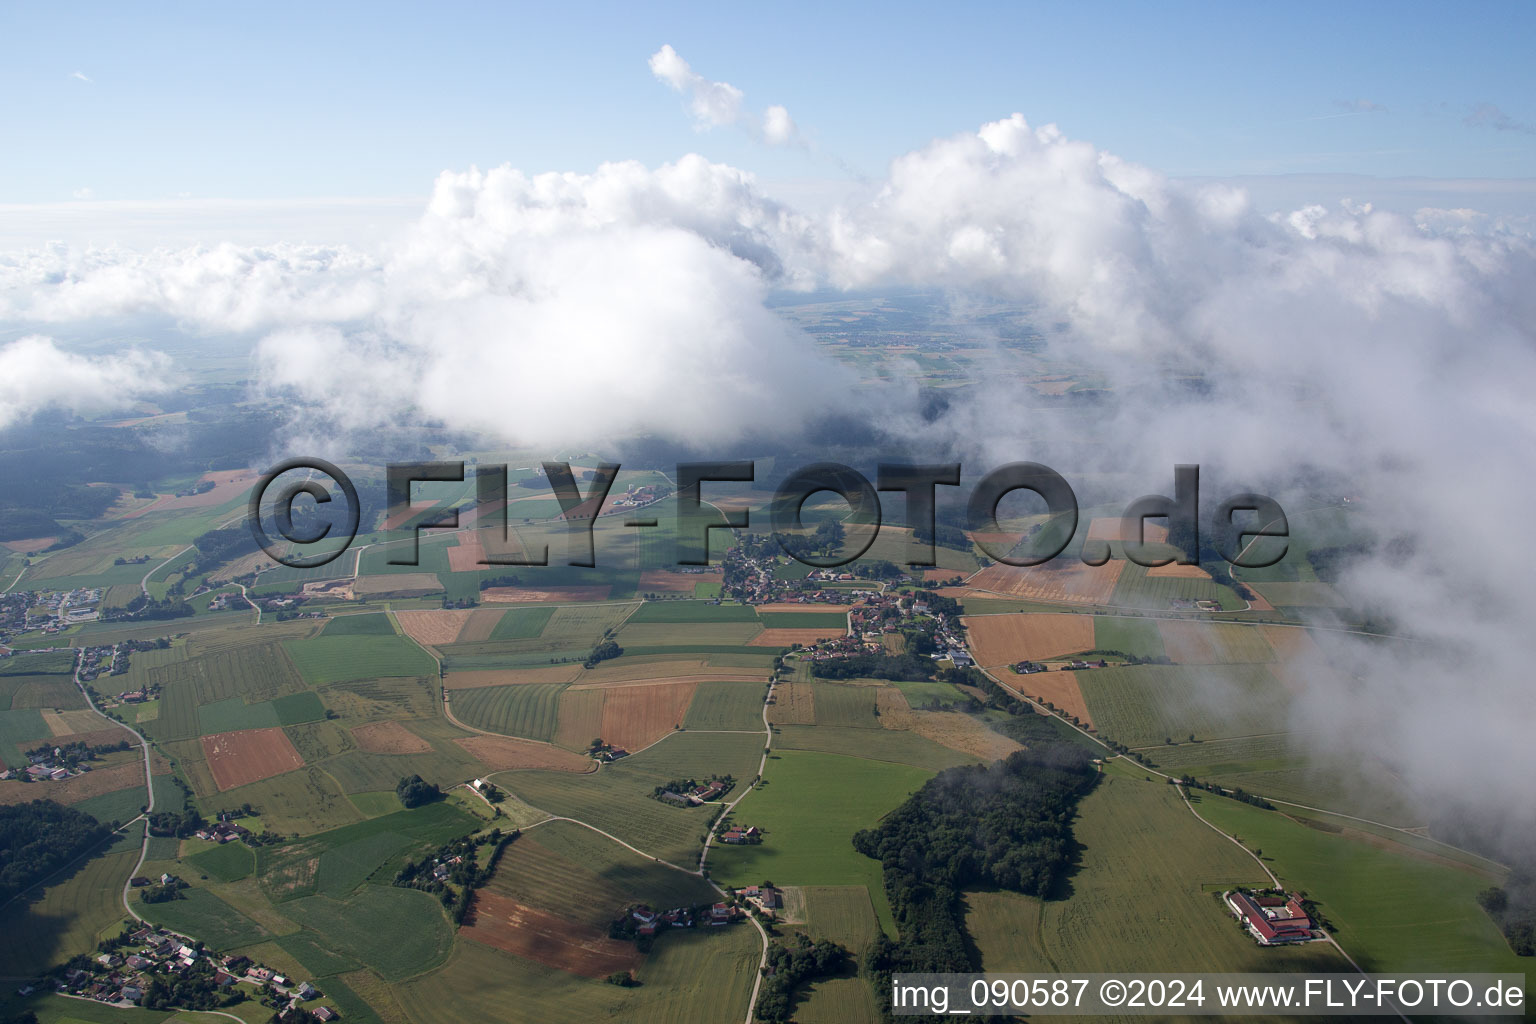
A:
(550, 595)
(662, 581)
(468, 555)
(389, 738)
(610, 674)
(1116, 529)
(510, 676)
(505, 753)
(505, 924)
(805, 637)
(1061, 580)
(1060, 688)
(250, 755)
(1006, 639)
(30, 546)
(637, 716)
(948, 728)
(793, 704)
(1173, 570)
(434, 626)
(1300, 659)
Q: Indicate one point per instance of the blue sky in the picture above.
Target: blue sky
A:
(285, 101)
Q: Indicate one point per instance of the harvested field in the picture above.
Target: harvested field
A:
(99, 737)
(550, 595)
(623, 671)
(949, 728)
(77, 723)
(664, 581)
(402, 583)
(475, 678)
(389, 738)
(1173, 570)
(1005, 639)
(1114, 528)
(506, 753)
(637, 716)
(31, 546)
(81, 787)
(792, 606)
(479, 626)
(1299, 657)
(1060, 688)
(1061, 580)
(1213, 643)
(804, 637)
(250, 755)
(505, 924)
(227, 485)
(580, 718)
(793, 704)
(466, 554)
(434, 627)
(941, 575)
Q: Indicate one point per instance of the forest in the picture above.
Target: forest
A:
(39, 837)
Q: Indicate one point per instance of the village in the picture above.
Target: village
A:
(161, 961)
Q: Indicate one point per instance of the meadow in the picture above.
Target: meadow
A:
(726, 706)
(323, 660)
(1144, 897)
(1144, 705)
(71, 912)
(528, 710)
(522, 623)
(397, 932)
(809, 806)
(1395, 908)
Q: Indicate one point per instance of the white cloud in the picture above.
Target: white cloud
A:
(80, 76)
(719, 104)
(84, 192)
(35, 374)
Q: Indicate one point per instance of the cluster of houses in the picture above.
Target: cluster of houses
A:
(697, 795)
(764, 897)
(222, 832)
(648, 922)
(637, 497)
(1273, 920)
(1188, 604)
(738, 836)
(44, 768)
(121, 979)
(114, 660)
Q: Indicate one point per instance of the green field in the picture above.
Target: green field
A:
(1144, 705)
(692, 611)
(726, 706)
(1146, 897)
(20, 730)
(369, 624)
(897, 747)
(521, 623)
(325, 660)
(228, 862)
(203, 915)
(233, 713)
(919, 693)
(1395, 909)
(39, 664)
(809, 807)
(1137, 637)
(528, 710)
(397, 932)
(40, 691)
(1135, 589)
(841, 705)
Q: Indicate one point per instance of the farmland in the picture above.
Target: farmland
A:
(528, 710)
(718, 705)
(1004, 639)
(69, 914)
(1143, 706)
(240, 758)
(324, 659)
(809, 807)
(1145, 897)
(1396, 909)
(618, 800)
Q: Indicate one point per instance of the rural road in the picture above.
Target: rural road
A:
(149, 784)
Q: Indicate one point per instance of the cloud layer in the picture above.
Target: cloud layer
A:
(36, 375)
(1392, 354)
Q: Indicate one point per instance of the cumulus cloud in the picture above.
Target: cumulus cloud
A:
(1390, 356)
(35, 374)
(719, 104)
